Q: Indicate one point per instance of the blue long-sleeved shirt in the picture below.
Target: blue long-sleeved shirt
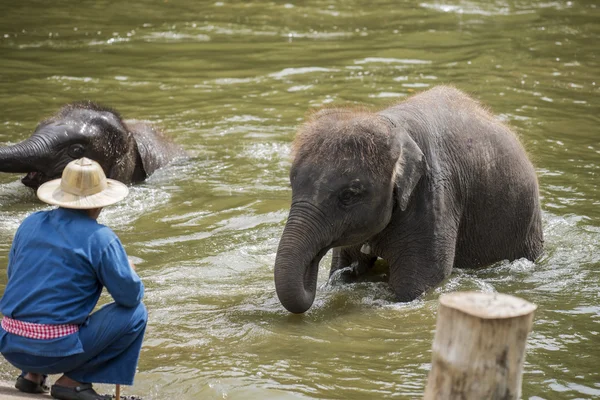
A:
(58, 264)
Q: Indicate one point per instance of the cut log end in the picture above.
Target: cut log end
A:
(487, 305)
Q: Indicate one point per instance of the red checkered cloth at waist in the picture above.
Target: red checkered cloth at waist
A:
(37, 331)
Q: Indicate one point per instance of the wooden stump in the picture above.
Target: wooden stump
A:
(479, 346)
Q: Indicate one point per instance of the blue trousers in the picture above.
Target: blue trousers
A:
(112, 340)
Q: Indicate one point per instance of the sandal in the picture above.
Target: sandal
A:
(85, 391)
(27, 386)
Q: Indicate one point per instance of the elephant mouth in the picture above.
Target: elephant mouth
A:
(35, 179)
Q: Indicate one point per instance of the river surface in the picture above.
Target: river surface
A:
(231, 81)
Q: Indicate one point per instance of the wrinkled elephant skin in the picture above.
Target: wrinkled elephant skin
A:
(429, 184)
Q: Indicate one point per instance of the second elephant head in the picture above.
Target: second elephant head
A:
(128, 151)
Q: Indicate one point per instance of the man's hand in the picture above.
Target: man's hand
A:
(132, 265)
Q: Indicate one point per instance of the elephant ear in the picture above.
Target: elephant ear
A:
(409, 168)
(151, 146)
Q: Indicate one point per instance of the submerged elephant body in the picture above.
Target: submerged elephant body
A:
(429, 184)
(128, 151)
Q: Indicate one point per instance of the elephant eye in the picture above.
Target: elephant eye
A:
(76, 150)
(351, 194)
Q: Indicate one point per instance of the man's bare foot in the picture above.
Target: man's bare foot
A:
(37, 378)
(67, 382)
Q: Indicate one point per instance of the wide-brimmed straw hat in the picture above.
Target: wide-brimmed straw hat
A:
(83, 186)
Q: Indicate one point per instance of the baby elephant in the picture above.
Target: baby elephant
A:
(429, 184)
(128, 151)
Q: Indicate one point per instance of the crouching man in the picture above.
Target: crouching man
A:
(58, 264)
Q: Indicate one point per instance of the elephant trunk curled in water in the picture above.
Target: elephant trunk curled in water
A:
(128, 151)
(429, 184)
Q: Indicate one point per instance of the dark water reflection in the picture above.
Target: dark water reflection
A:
(230, 81)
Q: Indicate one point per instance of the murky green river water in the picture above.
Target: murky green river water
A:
(230, 81)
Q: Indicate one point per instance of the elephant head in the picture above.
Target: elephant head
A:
(78, 130)
(350, 171)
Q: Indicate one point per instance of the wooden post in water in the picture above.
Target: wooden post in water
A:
(479, 346)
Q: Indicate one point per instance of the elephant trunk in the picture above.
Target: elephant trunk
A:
(301, 248)
(23, 156)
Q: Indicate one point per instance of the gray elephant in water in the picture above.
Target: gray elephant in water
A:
(128, 151)
(429, 184)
